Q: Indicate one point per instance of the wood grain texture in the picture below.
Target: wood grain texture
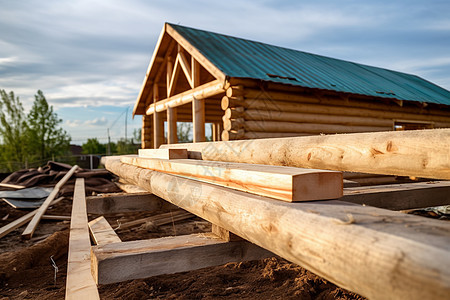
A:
(418, 153)
(203, 91)
(163, 153)
(168, 255)
(79, 283)
(282, 183)
(401, 196)
(29, 230)
(102, 233)
(124, 203)
(377, 253)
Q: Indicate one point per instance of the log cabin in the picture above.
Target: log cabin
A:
(250, 90)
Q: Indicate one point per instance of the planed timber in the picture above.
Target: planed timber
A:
(168, 255)
(417, 153)
(124, 203)
(282, 183)
(203, 91)
(374, 252)
(31, 227)
(163, 153)
(401, 196)
(172, 137)
(79, 283)
(102, 233)
(22, 220)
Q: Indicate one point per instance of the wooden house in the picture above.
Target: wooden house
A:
(250, 90)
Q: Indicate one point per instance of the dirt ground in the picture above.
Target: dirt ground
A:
(26, 271)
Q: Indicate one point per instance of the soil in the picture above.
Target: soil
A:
(26, 270)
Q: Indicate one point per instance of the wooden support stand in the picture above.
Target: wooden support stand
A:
(141, 259)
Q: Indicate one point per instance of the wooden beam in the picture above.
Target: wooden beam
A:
(395, 253)
(204, 91)
(163, 153)
(282, 183)
(195, 72)
(79, 283)
(185, 67)
(168, 255)
(172, 137)
(224, 234)
(169, 74)
(418, 153)
(401, 196)
(198, 120)
(158, 123)
(28, 232)
(123, 203)
(102, 233)
(22, 220)
(174, 77)
(209, 66)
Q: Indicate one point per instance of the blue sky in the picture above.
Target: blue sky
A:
(90, 57)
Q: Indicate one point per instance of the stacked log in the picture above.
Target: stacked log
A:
(147, 132)
(251, 113)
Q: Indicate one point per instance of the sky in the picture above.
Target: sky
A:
(90, 57)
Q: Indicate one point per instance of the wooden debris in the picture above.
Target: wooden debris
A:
(22, 220)
(28, 232)
(283, 183)
(79, 283)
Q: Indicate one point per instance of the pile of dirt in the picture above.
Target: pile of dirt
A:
(271, 278)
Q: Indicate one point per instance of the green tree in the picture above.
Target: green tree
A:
(45, 138)
(184, 132)
(12, 131)
(93, 146)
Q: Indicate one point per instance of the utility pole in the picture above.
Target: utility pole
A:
(109, 143)
(126, 116)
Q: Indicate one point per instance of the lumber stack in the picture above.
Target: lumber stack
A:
(252, 113)
(375, 252)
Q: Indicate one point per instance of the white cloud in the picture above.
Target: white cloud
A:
(97, 122)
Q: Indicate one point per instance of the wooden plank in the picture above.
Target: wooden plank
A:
(398, 256)
(79, 283)
(168, 255)
(22, 220)
(172, 137)
(29, 230)
(163, 153)
(123, 203)
(102, 233)
(12, 186)
(401, 196)
(418, 153)
(282, 183)
(203, 91)
(158, 122)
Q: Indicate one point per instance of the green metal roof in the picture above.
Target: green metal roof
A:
(241, 58)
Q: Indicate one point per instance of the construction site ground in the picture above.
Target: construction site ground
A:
(26, 270)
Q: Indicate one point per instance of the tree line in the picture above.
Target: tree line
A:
(29, 137)
(30, 140)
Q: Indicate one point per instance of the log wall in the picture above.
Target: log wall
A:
(250, 113)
